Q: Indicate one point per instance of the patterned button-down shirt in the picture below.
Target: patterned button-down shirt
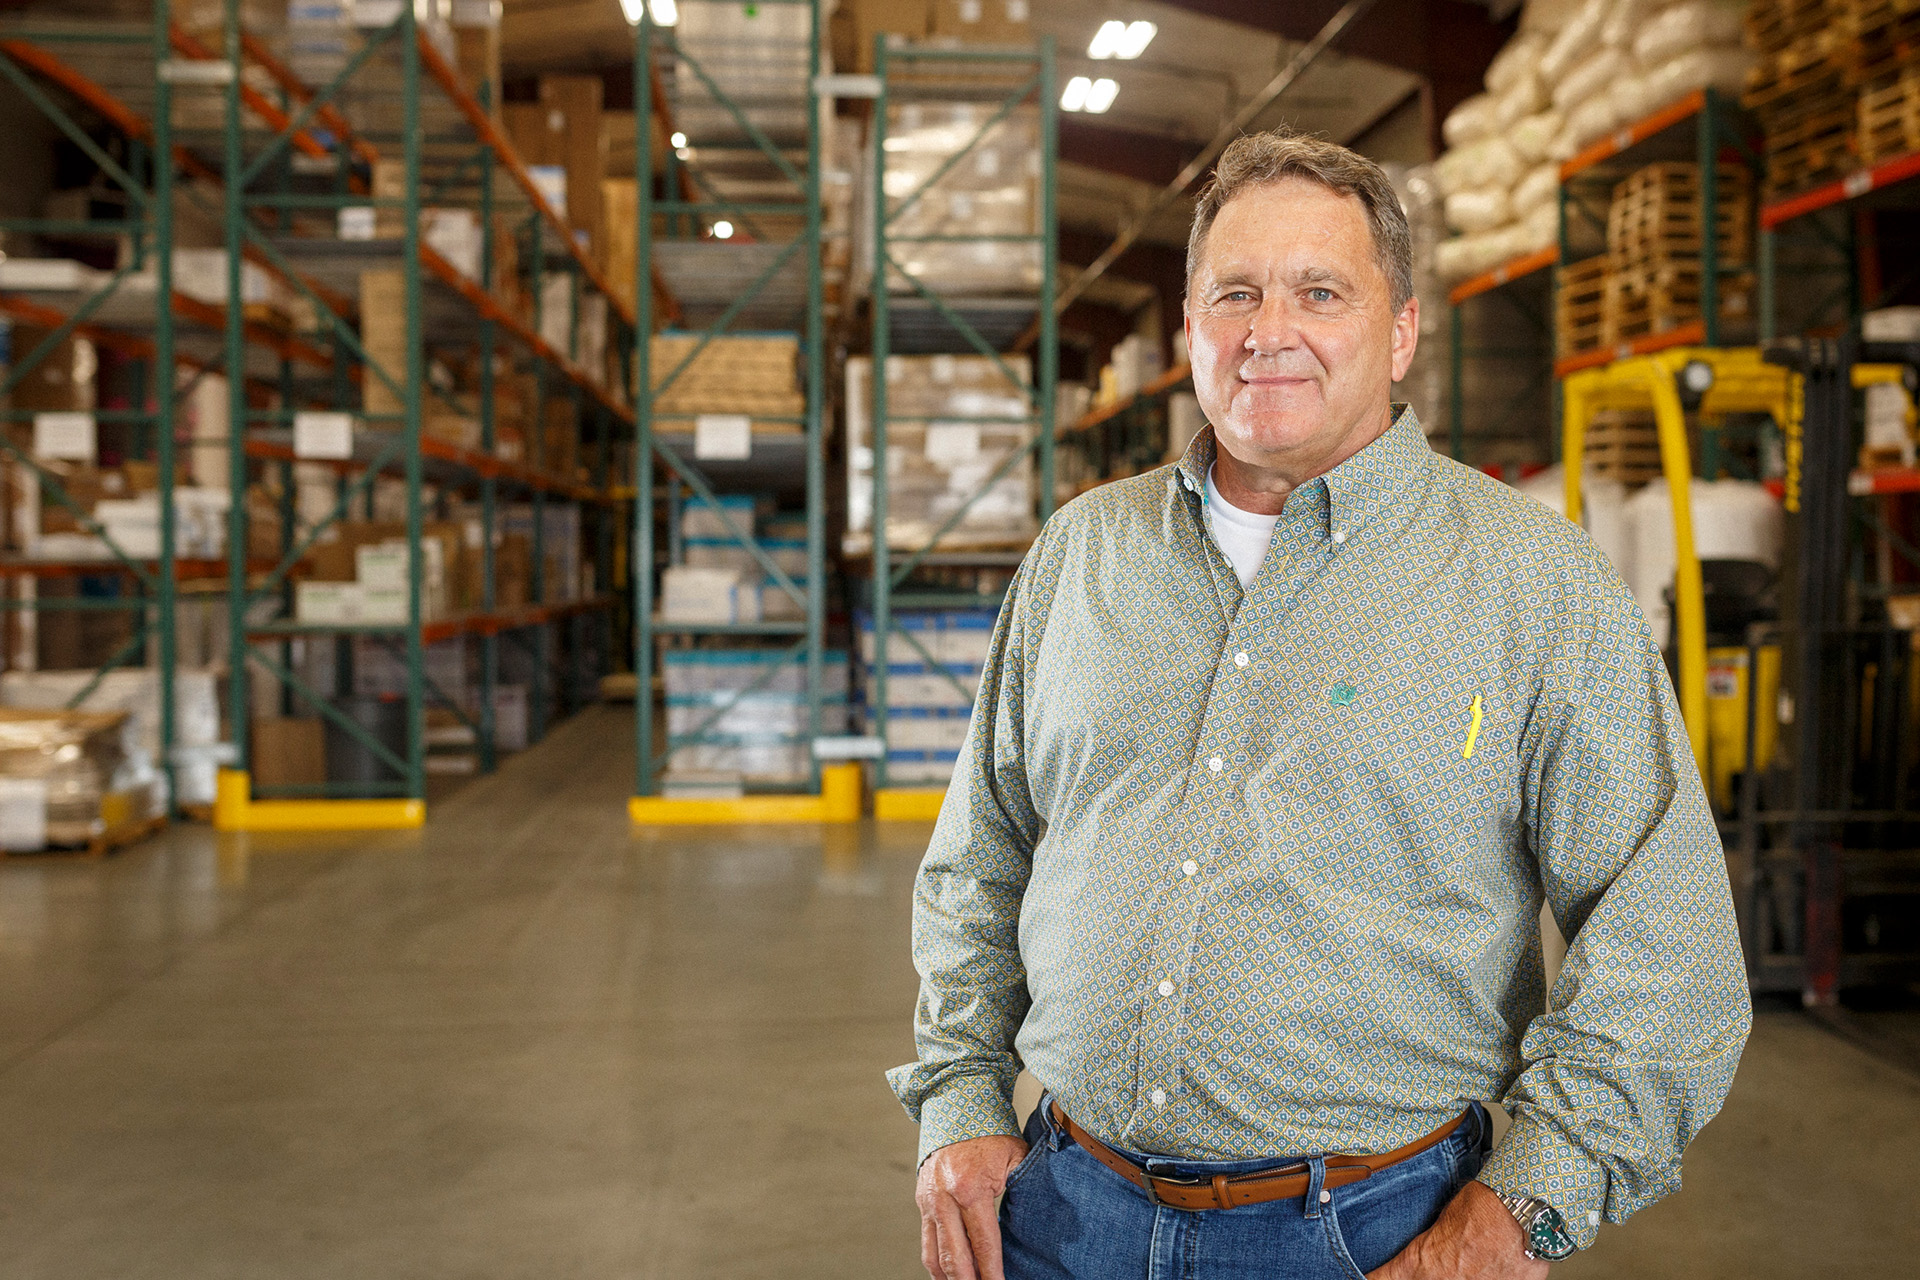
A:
(1259, 873)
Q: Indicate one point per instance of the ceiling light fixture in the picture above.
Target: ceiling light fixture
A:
(1074, 98)
(1116, 39)
(678, 140)
(723, 230)
(1101, 96)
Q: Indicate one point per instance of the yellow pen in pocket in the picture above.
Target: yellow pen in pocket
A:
(1473, 730)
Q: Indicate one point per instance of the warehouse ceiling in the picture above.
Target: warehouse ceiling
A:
(1208, 58)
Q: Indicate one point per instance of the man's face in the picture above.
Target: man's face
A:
(1291, 328)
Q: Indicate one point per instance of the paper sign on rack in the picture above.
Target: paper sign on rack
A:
(322, 435)
(356, 222)
(723, 436)
(952, 443)
(72, 436)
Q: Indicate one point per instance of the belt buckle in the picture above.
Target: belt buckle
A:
(1153, 1193)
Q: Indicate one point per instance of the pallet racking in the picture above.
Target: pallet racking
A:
(397, 91)
(924, 320)
(741, 87)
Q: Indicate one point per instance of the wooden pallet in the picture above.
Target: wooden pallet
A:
(1623, 445)
(1810, 66)
(1656, 212)
(1653, 299)
(1882, 50)
(1812, 146)
(101, 845)
(1580, 306)
(1773, 25)
(1889, 119)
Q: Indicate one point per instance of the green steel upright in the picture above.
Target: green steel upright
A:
(81, 55)
(915, 72)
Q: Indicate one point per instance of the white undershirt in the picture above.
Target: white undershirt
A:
(1243, 535)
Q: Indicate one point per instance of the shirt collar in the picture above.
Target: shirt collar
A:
(1362, 487)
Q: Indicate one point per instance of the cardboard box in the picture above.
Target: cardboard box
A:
(288, 751)
(983, 21)
(620, 202)
(383, 332)
(910, 18)
(582, 150)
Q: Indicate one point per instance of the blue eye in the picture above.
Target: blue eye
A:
(1320, 295)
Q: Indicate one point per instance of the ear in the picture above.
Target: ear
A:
(1406, 336)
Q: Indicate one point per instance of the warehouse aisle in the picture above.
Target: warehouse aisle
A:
(527, 1043)
(532, 1043)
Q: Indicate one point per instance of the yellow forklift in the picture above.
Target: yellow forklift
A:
(1807, 734)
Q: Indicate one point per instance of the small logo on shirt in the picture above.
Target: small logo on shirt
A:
(1340, 695)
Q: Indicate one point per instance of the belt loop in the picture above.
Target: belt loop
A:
(1316, 1182)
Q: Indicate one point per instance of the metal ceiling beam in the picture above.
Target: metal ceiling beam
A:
(1296, 66)
(1448, 42)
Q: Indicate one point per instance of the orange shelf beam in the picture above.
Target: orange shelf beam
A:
(1165, 382)
(1505, 273)
(1852, 187)
(1691, 334)
(1637, 132)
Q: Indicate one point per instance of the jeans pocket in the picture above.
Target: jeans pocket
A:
(1337, 1243)
(1037, 1135)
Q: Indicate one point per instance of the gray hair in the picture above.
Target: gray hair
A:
(1256, 159)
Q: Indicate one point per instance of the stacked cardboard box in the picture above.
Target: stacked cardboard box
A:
(361, 576)
(952, 421)
(741, 714)
(992, 191)
(981, 22)
(929, 695)
(135, 692)
(561, 134)
(756, 375)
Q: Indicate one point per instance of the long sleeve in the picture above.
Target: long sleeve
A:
(966, 915)
(1649, 1013)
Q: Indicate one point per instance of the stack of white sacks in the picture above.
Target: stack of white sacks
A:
(1575, 71)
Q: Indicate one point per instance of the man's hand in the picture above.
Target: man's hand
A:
(1474, 1238)
(959, 1230)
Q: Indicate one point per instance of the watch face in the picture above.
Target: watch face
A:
(1548, 1234)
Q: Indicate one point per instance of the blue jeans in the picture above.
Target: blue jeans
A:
(1066, 1216)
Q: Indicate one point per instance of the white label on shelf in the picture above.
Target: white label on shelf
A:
(952, 443)
(1622, 351)
(848, 748)
(323, 435)
(356, 222)
(72, 436)
(1858, 183)
(1860, 482)
(846, 86)
(376, 13)
(1623, 139)
(723, 436)
(197, 71)
(1500, 275)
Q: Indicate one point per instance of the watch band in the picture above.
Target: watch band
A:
(1542, 1226)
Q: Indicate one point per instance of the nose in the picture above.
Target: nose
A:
(1273, 329)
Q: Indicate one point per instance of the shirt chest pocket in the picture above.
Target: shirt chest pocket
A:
(1410, 747)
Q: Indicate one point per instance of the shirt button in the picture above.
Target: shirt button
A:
(1189, 867)
(1166, 988)
(1339, 535)
(1159, 1097)
(1240, 659)
(1216, 764)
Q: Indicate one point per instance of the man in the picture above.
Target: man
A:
(1275, 757)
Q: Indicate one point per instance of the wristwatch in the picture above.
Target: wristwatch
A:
(1547, 1238)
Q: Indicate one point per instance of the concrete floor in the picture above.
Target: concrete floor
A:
(532, 1042)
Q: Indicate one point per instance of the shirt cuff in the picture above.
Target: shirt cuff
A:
(967, 1106)
(1536, 1159)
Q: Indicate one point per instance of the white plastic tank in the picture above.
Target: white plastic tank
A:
(1732, 520)
(1602, 510)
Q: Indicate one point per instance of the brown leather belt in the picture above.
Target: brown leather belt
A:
(1224, 1192)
